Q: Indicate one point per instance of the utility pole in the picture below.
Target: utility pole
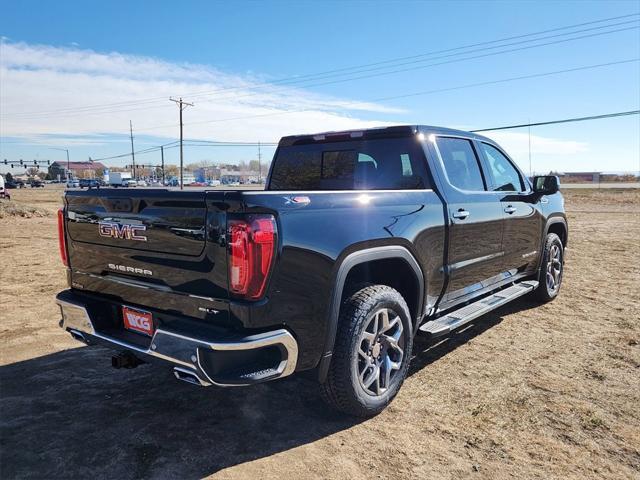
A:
(181, 105)
(133, 155)
(259, 164)
(530, 167)
(162, 161)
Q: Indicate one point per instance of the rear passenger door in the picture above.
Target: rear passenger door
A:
(522, 213)
(475, 218)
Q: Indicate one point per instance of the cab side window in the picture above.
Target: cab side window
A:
(505, 176)
(460, 163)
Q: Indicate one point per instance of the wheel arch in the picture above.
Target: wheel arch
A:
(373, 260)
(558, 225)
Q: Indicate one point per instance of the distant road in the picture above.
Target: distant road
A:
(565, 186)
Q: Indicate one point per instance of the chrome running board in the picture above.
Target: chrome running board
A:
(464, 315)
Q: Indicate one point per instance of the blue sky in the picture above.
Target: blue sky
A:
(59, 60)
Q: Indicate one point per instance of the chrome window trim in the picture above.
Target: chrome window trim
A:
(433, 139)
(525, 180)
(352, 191)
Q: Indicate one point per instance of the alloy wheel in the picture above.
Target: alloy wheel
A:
(380, 351)
(554, 269)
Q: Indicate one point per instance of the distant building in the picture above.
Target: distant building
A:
(77, 169)
(580, 177)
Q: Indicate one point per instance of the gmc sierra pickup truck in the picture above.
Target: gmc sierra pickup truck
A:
(360, 241)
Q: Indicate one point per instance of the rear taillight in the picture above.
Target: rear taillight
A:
(252, 243)
(62, 242)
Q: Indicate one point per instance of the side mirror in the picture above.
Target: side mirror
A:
(546, 184)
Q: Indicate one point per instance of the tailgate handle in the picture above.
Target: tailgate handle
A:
(118, 204)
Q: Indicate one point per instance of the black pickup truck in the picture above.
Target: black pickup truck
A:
(360, 241)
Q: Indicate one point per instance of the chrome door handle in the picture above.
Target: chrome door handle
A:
(461, 214)
(510, 209)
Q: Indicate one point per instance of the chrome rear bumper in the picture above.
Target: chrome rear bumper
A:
(187, 353)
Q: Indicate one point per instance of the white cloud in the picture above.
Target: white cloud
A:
(45, 90)
(517, 144)
(67, 83)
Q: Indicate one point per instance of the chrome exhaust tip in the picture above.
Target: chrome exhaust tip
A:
(189, 376)
(78, 335)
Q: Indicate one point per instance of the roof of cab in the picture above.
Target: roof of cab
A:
(377, 132)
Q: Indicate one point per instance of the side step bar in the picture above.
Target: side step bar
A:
(449, 322)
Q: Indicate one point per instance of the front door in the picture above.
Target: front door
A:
(522, 216)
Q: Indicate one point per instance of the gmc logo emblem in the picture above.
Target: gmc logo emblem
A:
(120, 230)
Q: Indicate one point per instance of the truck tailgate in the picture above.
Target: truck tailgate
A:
(153, 248)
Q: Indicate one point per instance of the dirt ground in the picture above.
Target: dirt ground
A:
(529, 391)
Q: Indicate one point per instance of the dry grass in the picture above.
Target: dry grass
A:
(530, 391)
(9, 208)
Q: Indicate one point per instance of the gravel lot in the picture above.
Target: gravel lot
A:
(526, 392)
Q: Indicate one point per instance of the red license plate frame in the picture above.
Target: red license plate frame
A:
(139, 321)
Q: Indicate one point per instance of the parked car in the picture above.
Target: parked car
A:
(142, 183)
(360, 241)
(73, 183)
(130, 183)
(37, 183)
(15, 183)
(90, 183)
(4, 193)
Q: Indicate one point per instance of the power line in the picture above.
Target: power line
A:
(566, 120)
(258, 144)
(391, 72)
(252, 93)
(187, 143)
(504, 39)
(139, 152)
(240, 144)
(505, 80)
(452, 55)
(397, 71)
(427, 92)
(358, 69)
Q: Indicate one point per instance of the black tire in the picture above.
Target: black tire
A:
(551, 269)
(361, 314)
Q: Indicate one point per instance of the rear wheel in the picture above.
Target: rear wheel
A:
(372, 351)
(550, 276)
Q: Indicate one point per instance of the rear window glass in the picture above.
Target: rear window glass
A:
(380, 164)
(460, 163)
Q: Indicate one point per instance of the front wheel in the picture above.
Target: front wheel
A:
(550, 276)
(372, 352)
